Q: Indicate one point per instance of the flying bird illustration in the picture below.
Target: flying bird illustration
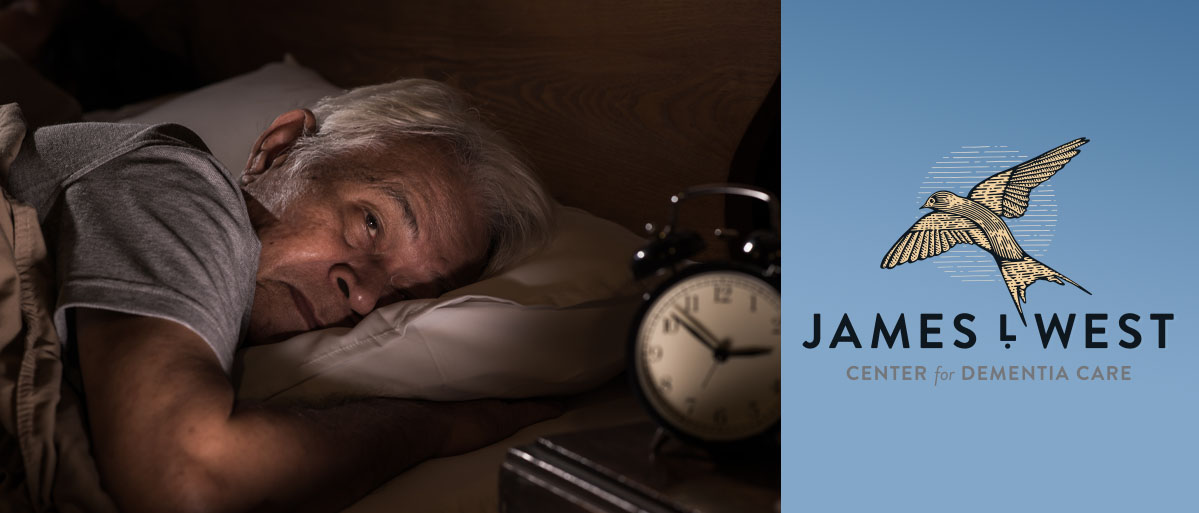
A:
(975, 219)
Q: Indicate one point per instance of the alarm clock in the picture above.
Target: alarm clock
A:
(705, 347)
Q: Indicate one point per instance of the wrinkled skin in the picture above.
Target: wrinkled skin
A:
(348, 245)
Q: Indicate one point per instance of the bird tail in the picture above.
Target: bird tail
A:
(1019, 274)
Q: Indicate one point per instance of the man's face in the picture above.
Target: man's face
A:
(375, 230)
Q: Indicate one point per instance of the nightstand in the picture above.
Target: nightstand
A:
(613, 470)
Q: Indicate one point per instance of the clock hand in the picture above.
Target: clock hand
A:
(750, 351)
(709, 339)
(711, 370)
(698, 336)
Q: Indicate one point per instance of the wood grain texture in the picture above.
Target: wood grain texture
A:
(617, 104)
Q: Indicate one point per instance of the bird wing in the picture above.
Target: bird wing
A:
(1006, 193)
(932, 235)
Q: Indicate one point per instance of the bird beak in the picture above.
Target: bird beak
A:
(928, 204)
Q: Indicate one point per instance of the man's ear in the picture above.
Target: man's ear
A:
(276, 140)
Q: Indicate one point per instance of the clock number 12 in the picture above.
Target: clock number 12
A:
(723, 294)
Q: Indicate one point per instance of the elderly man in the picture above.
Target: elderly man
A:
(165, 262)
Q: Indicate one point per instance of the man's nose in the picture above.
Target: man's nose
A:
(360, 290)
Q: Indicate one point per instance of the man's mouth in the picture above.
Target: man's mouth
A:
(305, 308)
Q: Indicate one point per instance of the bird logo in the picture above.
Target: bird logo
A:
(975, 219)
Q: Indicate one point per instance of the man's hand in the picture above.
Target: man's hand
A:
(169, 436)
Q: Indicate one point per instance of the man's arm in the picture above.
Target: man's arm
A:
(168, 436)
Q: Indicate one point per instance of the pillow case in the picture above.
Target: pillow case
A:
(229, 115)
(555, 323)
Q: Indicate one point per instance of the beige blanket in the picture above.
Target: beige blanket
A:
(45, 456)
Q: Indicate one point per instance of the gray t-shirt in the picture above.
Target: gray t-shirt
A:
(142, 220)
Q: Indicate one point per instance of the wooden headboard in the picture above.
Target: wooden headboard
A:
(618, 104)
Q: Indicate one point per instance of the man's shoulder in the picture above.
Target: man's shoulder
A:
(146, 222)
(58, 156)
(81, 146)
(104, 134)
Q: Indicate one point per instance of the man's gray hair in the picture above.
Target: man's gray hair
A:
(513, 202)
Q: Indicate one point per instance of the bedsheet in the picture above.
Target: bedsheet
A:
(45, 461)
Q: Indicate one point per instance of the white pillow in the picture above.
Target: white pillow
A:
(556, 323)
(229, 115)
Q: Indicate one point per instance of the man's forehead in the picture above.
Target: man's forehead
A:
(428, 195)
(421, 179)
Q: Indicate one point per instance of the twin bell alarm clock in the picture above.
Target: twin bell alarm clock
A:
(704, 349)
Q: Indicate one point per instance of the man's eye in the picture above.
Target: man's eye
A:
(372, 225)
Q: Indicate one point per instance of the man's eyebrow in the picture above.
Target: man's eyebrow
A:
(401, 199)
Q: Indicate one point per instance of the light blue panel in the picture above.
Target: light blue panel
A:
(874, 94)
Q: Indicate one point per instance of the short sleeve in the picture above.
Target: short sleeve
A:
(159, 231)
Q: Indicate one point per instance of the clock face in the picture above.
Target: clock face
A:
(708, 357)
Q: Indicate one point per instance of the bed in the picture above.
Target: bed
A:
(617, 105)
